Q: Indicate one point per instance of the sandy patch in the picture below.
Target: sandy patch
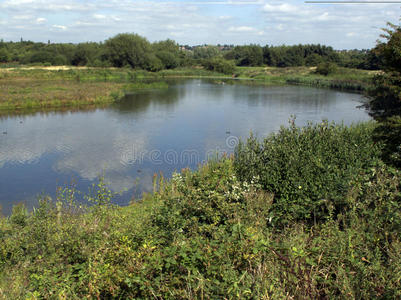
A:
(50, 68)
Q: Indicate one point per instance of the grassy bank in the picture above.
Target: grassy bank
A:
(25, 89)
(30, 94)
(51, 87)
(316, 216)
(101, 74)
(44, 88)
(342, 78)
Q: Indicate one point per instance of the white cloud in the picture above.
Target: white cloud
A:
(234, 22)
(42, 5)
(122, 147)
(40, 20)
(325, 24)
(99, 16)
(282, 8)
(22, 17)
(241, 29)
(324, 17)
(61, 27)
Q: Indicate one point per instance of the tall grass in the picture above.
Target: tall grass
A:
(343, 78)
(329, 83)
(145, 85)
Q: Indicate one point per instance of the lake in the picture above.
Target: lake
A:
(150, 132)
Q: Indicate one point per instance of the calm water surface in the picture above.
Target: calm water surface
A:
(151, 131)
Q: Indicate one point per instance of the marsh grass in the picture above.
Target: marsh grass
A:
(343, 78)
(41, 88)
(135, 86)
(21, 93)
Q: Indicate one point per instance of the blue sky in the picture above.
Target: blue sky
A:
(194, 22)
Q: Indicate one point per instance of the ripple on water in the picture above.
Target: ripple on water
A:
(63, 148)
(19, 156)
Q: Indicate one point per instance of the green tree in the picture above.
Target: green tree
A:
(152, 63)
(167, 45)
(386, 95)
(385, 104)
(168, 59)
(313, 60)
(204, 52)
(86, 53)
(249, 55)
(127, 49)
(168, 53)
(4, 55)
(41, 56)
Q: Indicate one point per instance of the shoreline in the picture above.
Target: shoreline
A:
(43, 88)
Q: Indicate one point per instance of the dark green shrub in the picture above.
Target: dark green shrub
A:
(388, 132)
(168, 59)
(40, 57)
(219, 65)
(308, 169)
(385, 104)
(19, 215)
(247, 55)
(314, 60)
(59, 60)
(4, 55)
(385, 95)
(326, 68)
(201, 200)
(152, 63)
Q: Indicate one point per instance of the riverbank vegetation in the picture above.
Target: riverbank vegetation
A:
(24, 89)
(26, 94)
(340, 78)
(50, 87)
(320, 222)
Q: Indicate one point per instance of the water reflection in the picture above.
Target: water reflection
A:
(148, 132)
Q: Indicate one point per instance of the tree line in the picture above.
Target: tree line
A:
(135, 51)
